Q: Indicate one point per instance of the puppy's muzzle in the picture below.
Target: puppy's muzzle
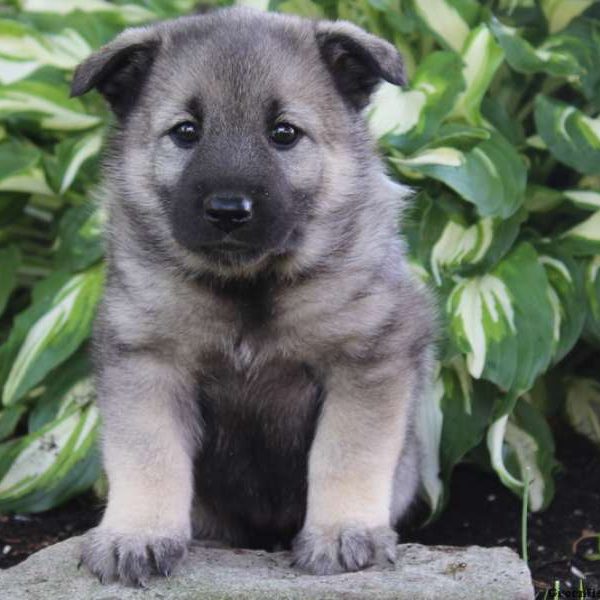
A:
(227, 212)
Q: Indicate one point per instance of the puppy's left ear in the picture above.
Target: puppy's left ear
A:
(357, 60)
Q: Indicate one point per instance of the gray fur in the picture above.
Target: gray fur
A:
(262, 391)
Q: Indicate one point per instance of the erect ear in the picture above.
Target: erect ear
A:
(119, 69)
(358, 61)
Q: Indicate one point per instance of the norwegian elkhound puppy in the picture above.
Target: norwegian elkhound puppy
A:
(262, 345)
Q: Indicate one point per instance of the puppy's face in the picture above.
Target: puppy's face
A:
(237, 149)
(236, 125)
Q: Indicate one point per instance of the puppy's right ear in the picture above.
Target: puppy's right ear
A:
(119, 69)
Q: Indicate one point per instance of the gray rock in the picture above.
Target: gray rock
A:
(422, 573)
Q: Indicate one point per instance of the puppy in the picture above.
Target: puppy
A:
(261, 345)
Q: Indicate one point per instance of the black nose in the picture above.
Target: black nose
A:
(227, 212)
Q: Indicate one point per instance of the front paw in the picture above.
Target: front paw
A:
(131, 557)
(325, 551)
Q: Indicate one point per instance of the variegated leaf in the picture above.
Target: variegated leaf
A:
(585, 199)
(79, 242)
(73, 153)
(429, 425)
(583, 407)
(461, 247)
(504, 322)
(523, 57)
(521, 448)
(9, 419)
(71, 386)
(49, 105)
(559, 13)
(453, 422)
(10, 257)
(56, 335)
(20, 169)
(448, 20)
(584, 238)
(542, 199)
(571, 136)
(566, 296)
(491, 175)
(412, 116)
(130, 13)
(580, 41)
(37, 471)
(23, 50)
(592, 293)
(482, 56)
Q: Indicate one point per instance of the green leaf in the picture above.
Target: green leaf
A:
(566, 296)
(592, 294)
(523, 57)
(459, 136)
(584, 238)
(41, 463)
(49, 105)
(560, 12)
(585, 199)
(461, 246)
(130, 13)
(56, 335)
(583, 407)
(70, 386)
(521, 447)
(496, 113)
(429, 426)
(42, 295)
(72, 153)
(580, 41)
(572, 137)
(19, 170)
(482, 56)
(24, 50)
(447, 20)
(256, 4)
(304, 8)
(542, 199)
(491, 175)
(413, 116)
(9, 419)
(17, 157)
(10, 259)
(79, 242)
(503, 321)
(452, 421)
(81, 477)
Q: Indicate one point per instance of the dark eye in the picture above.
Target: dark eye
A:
(284, 135)
(185, 134)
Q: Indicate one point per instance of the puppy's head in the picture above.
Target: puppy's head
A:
(237, 130)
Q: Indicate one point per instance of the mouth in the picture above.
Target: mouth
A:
(231, 250)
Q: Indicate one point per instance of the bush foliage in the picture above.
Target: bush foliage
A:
(497, 134)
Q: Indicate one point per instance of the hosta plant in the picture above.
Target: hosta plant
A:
(496, 134)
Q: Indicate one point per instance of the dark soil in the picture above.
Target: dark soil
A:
(22, 535)
(481, 511)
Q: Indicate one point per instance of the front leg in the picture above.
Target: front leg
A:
(148, 446)
(352, 462)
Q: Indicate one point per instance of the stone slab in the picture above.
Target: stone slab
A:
(422, 573)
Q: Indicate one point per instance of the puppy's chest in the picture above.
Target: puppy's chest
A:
(257, 428)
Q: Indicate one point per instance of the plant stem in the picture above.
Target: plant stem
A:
(524, 512)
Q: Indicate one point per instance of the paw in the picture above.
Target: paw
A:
(131, 558)
(340, 549)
